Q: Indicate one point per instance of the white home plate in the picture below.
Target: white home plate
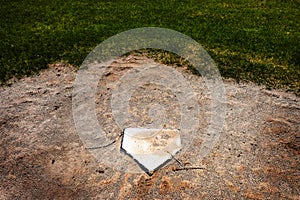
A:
(151, 148)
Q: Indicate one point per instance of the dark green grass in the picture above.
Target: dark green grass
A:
(249, 40)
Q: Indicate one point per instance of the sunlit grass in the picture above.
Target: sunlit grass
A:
(249, 40)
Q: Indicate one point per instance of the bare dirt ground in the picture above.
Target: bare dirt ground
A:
(42, 156)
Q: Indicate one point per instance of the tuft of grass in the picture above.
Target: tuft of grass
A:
(249, 40)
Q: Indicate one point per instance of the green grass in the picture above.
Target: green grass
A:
(249, 40)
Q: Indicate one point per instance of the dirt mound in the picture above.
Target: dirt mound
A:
(42, 156)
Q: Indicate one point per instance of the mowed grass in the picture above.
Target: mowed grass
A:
(251, 40)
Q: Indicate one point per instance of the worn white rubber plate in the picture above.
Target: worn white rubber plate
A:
(151, 148)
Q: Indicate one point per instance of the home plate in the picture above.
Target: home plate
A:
(151, 148)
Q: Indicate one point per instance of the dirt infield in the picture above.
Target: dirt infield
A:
(42, 156)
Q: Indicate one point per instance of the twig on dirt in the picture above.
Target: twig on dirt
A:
(182, 166)
(107, 145)
(188, 168)
(175, 159)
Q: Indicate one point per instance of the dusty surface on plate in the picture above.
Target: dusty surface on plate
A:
(151, 140)
(42, 157)
(152, 149)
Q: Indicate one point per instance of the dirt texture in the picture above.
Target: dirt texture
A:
(42, 156)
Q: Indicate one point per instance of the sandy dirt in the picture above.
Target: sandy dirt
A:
(42, 156)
